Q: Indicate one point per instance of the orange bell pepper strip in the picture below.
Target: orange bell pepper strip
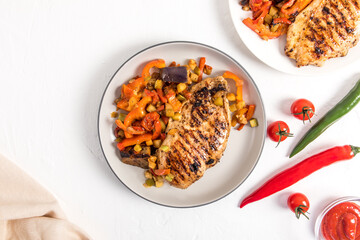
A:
(250, 112)
(201, 67)
(134, 140)
(157, 131)
(249, 115)
(293, 6)
(161, 95)
(238, 83)
(159, 63)
(134, 130)
(120, 125)
(162, 172)
(173, 101)
(138, 112)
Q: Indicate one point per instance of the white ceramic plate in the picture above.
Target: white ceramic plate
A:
(272, 52)
(243, 150)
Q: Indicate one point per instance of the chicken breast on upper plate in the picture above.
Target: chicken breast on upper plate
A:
(201, 136)
(325, 29)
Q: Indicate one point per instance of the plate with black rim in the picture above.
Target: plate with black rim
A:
(243, 148)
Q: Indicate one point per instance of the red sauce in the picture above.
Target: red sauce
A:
(342, 222)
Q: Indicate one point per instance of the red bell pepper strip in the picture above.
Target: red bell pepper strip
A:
(259, 15)
(157, 131)
(291, 7)
(161, 95)
(301, 170)
(283, 20)
(165, 119)
(255, 5)
(153, 94)
(162, 136)
(238, 83)
(173, 101)
(159, 63)
(116, 132)
(159, 109)
(201, 67)
(149, 120)
(134, 140)
(162, 172)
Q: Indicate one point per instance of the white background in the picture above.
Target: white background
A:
(56, 58)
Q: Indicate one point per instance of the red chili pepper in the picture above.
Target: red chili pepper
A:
(301, 170)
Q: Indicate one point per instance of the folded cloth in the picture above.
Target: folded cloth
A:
(28, 211)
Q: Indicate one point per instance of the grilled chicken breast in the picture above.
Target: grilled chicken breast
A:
(201, 136)
(325, 29)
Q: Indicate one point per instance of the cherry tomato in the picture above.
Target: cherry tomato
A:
(302, 109)
(278, 131)
(299, 204)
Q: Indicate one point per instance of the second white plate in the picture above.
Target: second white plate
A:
(272, 52)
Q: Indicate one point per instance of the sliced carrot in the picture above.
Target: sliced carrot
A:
(201, 67)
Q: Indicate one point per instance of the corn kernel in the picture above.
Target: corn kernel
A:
(157, 143)
(137, 148)
(149, 143)
(152, 165)
(219, 101)
(148, 174)
(177, 116)
(233, 107)
(172, 131)
(159, 84)
(164, 148)
(192, 64)
(114, 114)
(151, 108)
(181, 87)
(231, 97)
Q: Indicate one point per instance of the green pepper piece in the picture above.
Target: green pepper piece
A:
(339, 110)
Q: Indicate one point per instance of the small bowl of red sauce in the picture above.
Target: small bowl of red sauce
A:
(339, 220)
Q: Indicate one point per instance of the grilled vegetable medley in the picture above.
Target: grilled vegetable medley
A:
(150, 101)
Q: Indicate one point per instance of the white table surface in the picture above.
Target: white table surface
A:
(56, 59)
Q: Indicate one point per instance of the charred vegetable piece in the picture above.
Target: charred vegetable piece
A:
(140, 159)
(174, 74)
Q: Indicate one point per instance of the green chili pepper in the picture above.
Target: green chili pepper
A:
(339, 110)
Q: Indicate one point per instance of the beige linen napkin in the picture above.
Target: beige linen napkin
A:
(28, 211)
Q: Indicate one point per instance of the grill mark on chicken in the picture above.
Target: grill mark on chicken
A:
(202, 134)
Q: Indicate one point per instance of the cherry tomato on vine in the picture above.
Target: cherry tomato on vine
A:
(303, 109)
(278, 131)
(299, 204)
